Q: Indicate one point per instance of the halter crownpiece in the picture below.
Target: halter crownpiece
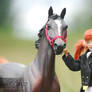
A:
(53, 39)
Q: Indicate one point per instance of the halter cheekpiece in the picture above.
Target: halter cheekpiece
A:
(53, 39)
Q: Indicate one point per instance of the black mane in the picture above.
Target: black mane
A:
(40, 34)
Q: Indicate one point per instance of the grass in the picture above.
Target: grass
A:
(23, 51)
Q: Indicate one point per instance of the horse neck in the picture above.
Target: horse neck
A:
(46, 59)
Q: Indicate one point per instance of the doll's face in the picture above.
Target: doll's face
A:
(89, 44)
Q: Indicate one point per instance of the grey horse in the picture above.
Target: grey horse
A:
(40, 75)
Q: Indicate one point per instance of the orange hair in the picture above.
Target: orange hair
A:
(88, 35)
(81, 46)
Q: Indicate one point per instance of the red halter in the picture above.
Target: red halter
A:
(52, 40)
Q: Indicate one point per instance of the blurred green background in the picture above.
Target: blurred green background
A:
(22, 50)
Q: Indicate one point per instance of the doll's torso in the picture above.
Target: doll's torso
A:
(86, 68)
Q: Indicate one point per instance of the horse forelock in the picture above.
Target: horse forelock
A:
(54, 16)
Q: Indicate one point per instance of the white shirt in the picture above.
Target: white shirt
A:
(88, 54)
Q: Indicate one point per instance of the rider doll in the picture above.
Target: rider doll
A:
(82, 60)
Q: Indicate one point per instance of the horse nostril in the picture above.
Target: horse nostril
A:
(55, 45)
(64, 46)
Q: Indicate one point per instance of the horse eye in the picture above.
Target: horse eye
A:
(49, 27)
(65, 27)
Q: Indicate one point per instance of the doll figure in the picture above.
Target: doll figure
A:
(82, 61)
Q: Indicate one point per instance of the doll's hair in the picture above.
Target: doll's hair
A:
(88, 35)
(81, 46)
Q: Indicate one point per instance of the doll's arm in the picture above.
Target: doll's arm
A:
(72, 64)
(65, 52)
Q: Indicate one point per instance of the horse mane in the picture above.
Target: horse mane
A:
(40, 34)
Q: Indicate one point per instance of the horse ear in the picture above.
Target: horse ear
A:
(50, 12)
(63, 13)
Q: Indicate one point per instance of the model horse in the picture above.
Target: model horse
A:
(40, 75)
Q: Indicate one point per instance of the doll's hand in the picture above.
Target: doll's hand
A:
(65, 51)
(85, 87)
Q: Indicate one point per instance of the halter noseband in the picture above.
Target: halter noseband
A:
(53, 39)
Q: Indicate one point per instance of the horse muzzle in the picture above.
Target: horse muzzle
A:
(58, 49)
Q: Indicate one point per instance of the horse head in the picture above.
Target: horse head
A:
(55, 31)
